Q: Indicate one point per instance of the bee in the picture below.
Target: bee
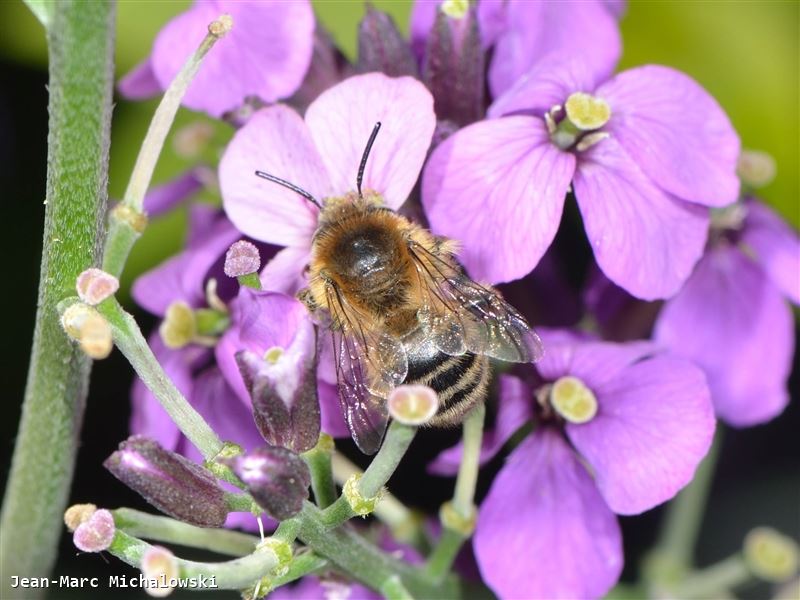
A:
(401, 309)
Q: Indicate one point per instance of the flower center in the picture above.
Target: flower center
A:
(182, 325)
(579, 126)
(273, 355)
(573, 400)
(455, 9)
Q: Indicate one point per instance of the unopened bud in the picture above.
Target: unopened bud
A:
(159, 564)
(573, 400)
(756, 168)
(179, 326)
(221, 26)
(587, 112)
(771, 555)
(170, 482)
(413, 404)
(89, 328)
(283, 389)
(277, 478)
(77, 514)
(95, 285)
(242, 259)
(96, 533)
(381, 46)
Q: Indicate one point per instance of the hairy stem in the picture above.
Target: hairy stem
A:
(301, 565)
(319, 463)
(81, 44)
(131, 342)
(163, 529)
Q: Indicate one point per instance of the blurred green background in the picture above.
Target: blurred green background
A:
(747, 54)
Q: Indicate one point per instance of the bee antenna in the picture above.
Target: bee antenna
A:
(291, 186)
(365, 156)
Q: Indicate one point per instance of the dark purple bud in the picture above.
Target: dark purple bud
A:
(283, 388)
(381, 47)
(170, 482)
(454, 68)
(277, 478)
(328, 67)
(242, 258)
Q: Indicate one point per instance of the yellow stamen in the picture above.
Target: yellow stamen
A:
(572, 400)
(179, 326)
(455, 9)
(587, 112)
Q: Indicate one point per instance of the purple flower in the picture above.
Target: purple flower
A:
(618, 428)
(522, 32)
(321, 154)
(644, 152)
(266, 54)
(732, 319)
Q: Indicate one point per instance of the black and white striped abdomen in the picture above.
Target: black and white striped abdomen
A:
(460, 381)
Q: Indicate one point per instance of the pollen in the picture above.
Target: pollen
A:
(273, 355)
(179, 326)
(573, 400)
(587, 112)
(455, 9)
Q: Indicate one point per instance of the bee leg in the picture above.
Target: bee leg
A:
(306, 297)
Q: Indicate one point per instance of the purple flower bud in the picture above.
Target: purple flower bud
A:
(96, 533)
(170, 482)
(242, 258)
(454, 68)
(277, 478)
(283, 387)
(381, 47)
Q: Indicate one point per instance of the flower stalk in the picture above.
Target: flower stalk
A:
(80, 46)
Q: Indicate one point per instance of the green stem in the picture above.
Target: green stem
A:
(398, 438)
(230, 575)
(685, 513)
(319, 463)
(301, 565)
(132, 344)
(717, 580)
(458, 516)
(81, 44)
(164, 529)
(128, 220)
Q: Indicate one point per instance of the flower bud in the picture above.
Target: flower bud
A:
(170, 482)
(771, 555)
(95, 285)
(88, 327)
(277, 478)
(413, 404)
(96, 533)
(283, 388)
(242, 258)
(381, 47)
(159, 564)
(454, 64)
(77, 514)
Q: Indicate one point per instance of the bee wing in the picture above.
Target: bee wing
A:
(465, 316)
(369, 365)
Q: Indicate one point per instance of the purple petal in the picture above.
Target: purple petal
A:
(544, 530)
(515, 408)
(330, 410)
(676, 132)
(655, 422)
(776, 247)
(275, 140)
(548, 83)
(259, 321)
(536, 29)
(498, 187)
(266, 54)
(284, 273)
(645, 240)
(165, 197)
(140, 82)
(423, 16)
(341, 121)
(731, 320)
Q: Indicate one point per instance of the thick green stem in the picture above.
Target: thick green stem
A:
(319, 463)
(164, 529)
(301, 565)
(81, 45)
(132, 344)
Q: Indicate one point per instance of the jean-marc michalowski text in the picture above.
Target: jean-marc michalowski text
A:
(114, 581)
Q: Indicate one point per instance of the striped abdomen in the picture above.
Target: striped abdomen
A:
(460, 381)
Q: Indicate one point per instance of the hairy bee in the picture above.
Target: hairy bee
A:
(401, 310)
